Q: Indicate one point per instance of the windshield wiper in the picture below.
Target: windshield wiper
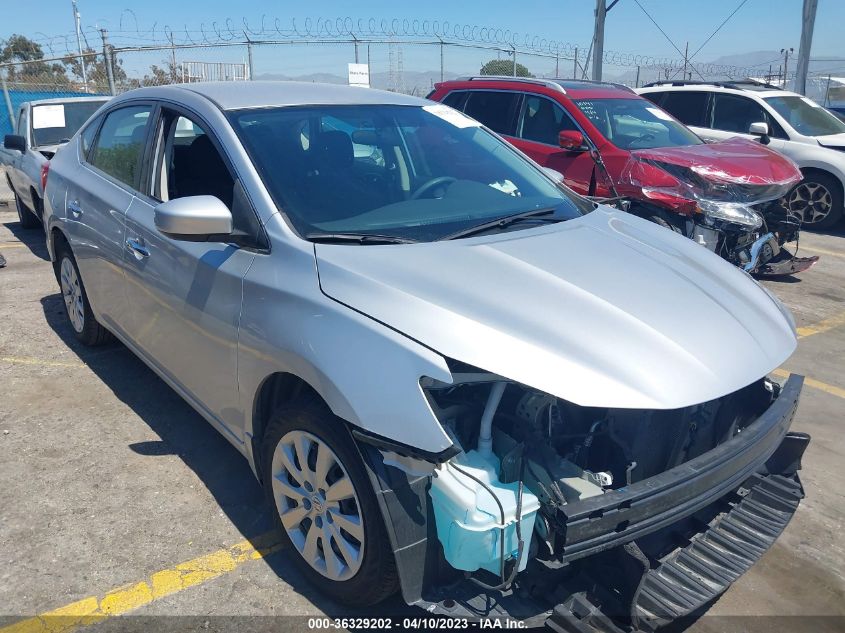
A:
(500, 223)
(359, 238)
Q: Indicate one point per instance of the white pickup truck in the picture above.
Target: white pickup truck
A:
(41, 128)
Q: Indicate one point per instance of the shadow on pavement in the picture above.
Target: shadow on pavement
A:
(33, 238)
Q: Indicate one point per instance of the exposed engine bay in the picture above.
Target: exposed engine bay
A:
(527, 456)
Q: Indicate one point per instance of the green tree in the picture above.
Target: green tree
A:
(95, 69)
(30, 71)
(504, 67)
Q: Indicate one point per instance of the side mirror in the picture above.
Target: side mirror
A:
(13, 141)
(194, 219)
(571, 141)
(759, 129)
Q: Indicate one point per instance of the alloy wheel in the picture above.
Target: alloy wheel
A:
(72, 294)
(809, 202)
(318, 505)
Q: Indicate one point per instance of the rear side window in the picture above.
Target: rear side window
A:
(493, 109)
(690, 108)
(455, 100)
(733, 113)
(542, 120)
(119, 146)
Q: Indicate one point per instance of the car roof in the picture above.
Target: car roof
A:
(747, 86)
(89, 98)
(237, 95)
(573, 88)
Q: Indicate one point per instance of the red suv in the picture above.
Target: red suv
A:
(607, 141)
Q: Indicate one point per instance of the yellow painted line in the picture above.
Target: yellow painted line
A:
(824, 325)
(3, 247)
(25, 360)
(810, 382)
(162, 583)
(823, 251)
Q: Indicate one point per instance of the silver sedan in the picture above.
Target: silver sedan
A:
(452, 375)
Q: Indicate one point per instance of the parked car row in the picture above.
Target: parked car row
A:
(454, 377)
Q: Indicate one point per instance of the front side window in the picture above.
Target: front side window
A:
(733, 113)
(54, 123)
(689, 107)
(493, 109)
(806, 116)
(406, 171)
(635, 124)
(190, 164)
(542, 120)
(120, 144)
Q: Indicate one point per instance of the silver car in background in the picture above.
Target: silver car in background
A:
(452, 375)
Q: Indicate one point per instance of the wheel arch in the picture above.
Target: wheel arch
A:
(275, 390)
(811, 170)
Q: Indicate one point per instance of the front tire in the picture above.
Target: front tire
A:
(816, 201)
(85, 326)
(325, 505)
(26, 217)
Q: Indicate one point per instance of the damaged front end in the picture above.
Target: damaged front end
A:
(586, 518)
(728, 209)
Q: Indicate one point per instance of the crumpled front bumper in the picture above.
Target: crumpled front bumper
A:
(751, 479)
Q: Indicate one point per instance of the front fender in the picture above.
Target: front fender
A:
(367, 373)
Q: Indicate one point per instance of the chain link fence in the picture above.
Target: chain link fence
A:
(402, 64)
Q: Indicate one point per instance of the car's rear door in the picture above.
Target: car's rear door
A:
(185, 297)
(99, 192)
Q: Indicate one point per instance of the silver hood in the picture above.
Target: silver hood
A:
(605, 310)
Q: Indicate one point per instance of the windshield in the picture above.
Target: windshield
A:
(805, 116)
(54, 123)
(419, 173)
(636, 124)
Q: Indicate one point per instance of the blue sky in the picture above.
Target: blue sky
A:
(759, 25)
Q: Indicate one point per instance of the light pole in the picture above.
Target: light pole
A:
(76, 19)
(786, 52)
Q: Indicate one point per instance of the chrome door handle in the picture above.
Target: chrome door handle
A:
(138, 249)
(74, 208)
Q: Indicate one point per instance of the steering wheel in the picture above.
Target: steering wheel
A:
(431, 184)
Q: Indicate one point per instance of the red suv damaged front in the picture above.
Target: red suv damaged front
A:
(609, 142)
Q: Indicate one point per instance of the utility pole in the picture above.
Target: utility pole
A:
(597, 44)
(808, 21)
(575, 65)
(107, 55)
(786, 52)
(686, 55)
(76, 20)
(598, 38)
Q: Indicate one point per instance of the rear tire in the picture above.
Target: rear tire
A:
(332, 506)
(26, 217)
(85, 326)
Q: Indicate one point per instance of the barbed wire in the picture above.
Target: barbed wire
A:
(347, 28)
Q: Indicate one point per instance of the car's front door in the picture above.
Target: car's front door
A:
(186, 296)
(537, 132)
(96, 203)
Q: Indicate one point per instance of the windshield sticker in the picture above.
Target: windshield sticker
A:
(450, 115)
(810, 102)
(45, 116)
(506, 186)
(660, 114)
